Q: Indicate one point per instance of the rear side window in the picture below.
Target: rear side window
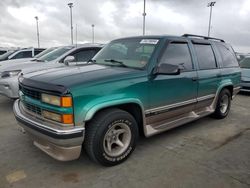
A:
(228, 56)
(205, 56)
(23, 54)
(38, 51)
(178, 54)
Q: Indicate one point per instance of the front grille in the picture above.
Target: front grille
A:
(32, 108)
(30, 93)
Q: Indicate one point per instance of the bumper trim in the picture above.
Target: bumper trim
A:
(51, 132)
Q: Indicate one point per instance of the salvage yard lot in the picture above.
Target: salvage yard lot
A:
(205, 153)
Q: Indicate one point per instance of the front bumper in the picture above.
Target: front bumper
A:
(9, 87)
(61, 144)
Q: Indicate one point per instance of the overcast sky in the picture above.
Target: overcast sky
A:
(120, 18)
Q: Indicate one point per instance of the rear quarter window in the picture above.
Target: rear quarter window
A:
(228, 56)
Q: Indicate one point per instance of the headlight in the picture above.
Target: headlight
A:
(12, 73)
(61, 118)
(56, 100)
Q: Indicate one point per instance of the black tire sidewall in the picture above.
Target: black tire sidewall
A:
(100, 154)
(218, 110)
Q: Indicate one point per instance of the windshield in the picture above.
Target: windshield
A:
(133, 52)
(45, 52)
(6, 55)
(54, 54)
(245, 63)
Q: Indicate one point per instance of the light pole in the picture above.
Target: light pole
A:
(211, 4)
(93, 33)
(144, 17)
(71, 24)
(37, 32)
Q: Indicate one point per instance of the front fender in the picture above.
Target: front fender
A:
(87, 115)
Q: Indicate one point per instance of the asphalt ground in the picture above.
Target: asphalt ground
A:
(205, 153)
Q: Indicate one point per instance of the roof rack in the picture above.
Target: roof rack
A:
(203, 37)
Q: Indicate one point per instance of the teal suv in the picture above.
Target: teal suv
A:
(144, 84)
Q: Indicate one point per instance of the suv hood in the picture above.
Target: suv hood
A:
(74, 75)
(15, 61)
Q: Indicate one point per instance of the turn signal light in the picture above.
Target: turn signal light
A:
(66, 102)
(67, 119)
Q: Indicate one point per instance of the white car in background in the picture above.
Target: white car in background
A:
(10, 72)
(6, 62)
(22, 53)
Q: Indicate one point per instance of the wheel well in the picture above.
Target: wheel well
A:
(230, 88)
(132, 108)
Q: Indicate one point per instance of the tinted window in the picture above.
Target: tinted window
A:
(178, 54)
(23, 54)
(38, 51)
(84, 55)
(228, 56)
(205, 56)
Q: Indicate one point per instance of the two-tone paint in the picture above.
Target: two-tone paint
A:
(159, 102)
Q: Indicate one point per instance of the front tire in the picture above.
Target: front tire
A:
(111, 137)
(223, 104)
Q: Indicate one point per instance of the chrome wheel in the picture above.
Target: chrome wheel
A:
(117, 139)
(224, 103)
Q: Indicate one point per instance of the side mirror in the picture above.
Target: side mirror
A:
(167, 69)
(68, 59)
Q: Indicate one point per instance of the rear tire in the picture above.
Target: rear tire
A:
(111, 137)
(223, 104)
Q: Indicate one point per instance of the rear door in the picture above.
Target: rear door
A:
(209, 74)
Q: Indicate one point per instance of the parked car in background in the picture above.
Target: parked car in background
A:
(147, 83)
(6, 55)
(21, 60)
(22, 53)
(3, 51)
(9, 72)
(245, 74)
(241, 56)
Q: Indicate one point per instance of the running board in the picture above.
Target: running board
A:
(167, 124)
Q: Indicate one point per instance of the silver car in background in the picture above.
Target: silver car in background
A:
(59, 57)
(245, 74)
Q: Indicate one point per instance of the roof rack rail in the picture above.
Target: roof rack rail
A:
(204, 37)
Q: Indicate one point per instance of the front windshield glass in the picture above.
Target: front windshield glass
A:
(6, 55)
(133, 52)
(55, 54)
(45, 52)
(245, 63)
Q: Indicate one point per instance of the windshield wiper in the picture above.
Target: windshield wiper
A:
(115, 61)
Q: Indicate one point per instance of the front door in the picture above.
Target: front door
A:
(173, 95)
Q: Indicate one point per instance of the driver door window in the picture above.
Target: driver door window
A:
(178, 54)
(85, 55)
